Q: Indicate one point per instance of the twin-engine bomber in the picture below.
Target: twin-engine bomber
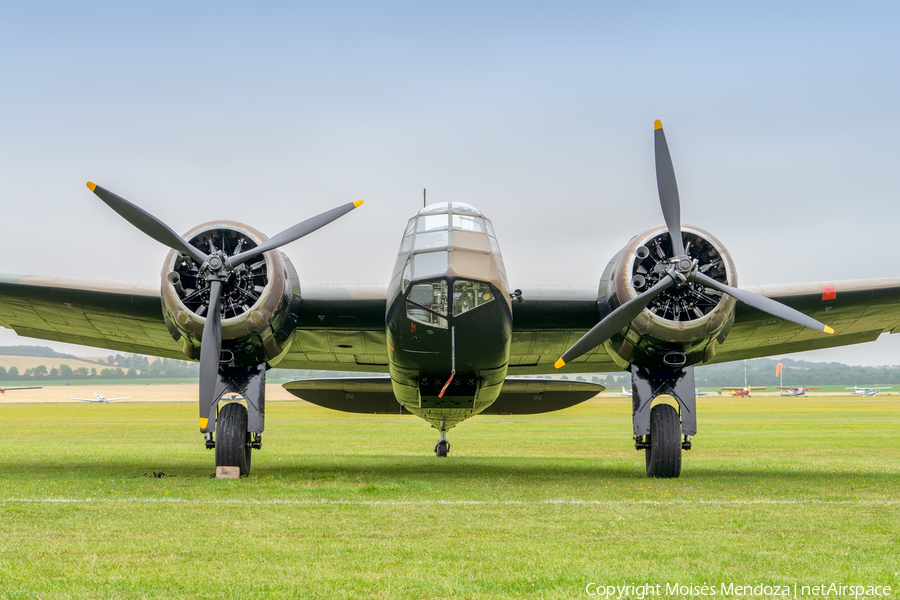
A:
(449, 338)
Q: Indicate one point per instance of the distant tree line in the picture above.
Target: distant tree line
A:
(41, 351)
(761, 371)
(118, 367)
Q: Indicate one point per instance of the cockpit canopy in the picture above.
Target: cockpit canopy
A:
(448, 245)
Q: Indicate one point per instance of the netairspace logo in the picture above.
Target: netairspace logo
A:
(731, 590)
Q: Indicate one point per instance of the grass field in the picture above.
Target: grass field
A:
(778, 492)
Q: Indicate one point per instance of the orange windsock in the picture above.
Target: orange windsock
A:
(778, 370)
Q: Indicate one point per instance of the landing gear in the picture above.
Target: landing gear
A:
(664, 454)
(239, 424)
(442, 448)
(658, 428)
(233, 441)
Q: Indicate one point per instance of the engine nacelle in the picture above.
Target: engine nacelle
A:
(259, 303)
(684, 323)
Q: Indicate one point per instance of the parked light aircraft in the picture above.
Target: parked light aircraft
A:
(744, 392)
(795, 391)
(4, 390)
(99, 398)
(449, 333)
(867, 391)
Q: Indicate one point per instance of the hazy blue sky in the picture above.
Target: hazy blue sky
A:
(781, 117)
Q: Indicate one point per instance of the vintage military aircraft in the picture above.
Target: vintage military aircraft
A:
(99, 398)
(795, 391)
(867, 391)
(449, 333)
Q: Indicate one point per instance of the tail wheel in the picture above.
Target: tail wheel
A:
(232, 438)
(664, 453)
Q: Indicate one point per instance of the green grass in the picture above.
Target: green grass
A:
(346, 506)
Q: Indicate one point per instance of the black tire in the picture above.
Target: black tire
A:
(442, 448)
(232, 438)
(664, 453)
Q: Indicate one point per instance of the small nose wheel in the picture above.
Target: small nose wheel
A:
(442, 448)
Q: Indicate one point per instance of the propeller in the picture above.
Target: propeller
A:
(682, 270)
(216, 267)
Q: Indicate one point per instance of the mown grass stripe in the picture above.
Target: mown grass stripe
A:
(242, 501)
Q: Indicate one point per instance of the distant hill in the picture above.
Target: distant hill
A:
(42, 351)
(761, 371)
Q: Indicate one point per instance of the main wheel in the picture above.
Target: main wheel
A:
(664, 453)
(442, 448)
(232, 438)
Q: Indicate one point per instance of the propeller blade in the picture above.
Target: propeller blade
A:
(614, 321)
(668, 189)
(767, 305)
(294, 233)
(210, 351)
(147, 223)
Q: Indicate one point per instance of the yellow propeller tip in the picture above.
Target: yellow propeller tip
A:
(828, 329)
(203, 423)
(559, 364)
(657, 124)
(357, 203)
(91, 185)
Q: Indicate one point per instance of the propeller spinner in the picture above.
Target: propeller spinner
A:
(682, 270)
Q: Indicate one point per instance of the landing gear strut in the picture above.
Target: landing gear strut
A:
(238, 428)
(442, 448)
(658, 428)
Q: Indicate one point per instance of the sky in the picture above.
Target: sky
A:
(780, 116)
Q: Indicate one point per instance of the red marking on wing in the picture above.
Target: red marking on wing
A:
(828, 292)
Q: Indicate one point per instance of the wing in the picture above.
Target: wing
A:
(737, 389)
(339, 327)
(342, 327)
(82, 399)
(551, 320)
(103, 314)
(376, 395)
(123, 398)
(31, 387)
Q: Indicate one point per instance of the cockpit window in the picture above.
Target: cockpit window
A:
(470, 294)
(462, 207)
(426, 302)
(467, 223)
(432, 240)
(432, 222)
(429, 264)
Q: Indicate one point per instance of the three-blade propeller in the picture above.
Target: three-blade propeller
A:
(216, 267)
(683, 270)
